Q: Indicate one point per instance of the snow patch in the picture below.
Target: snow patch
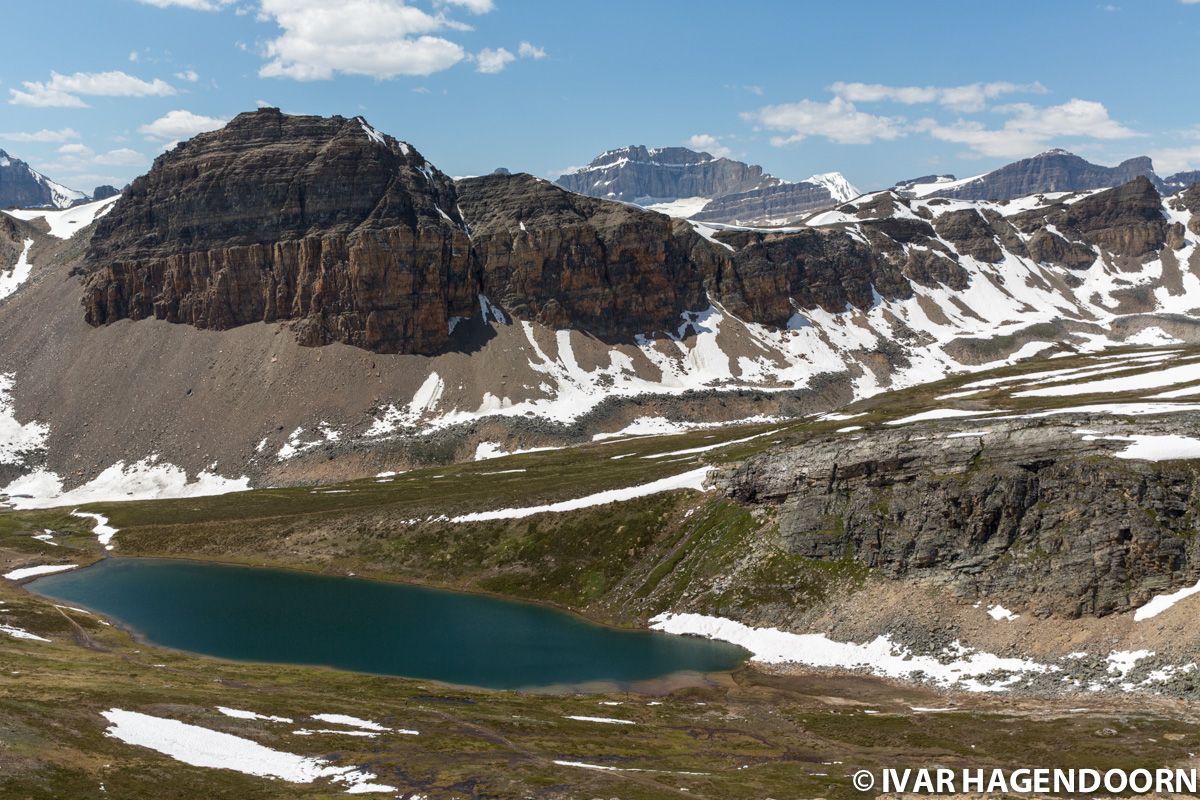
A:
(687, 480)
(44, 569)
(1161, 602)
(67, 222)
(959, 667)
(147, 479)
(202, 747)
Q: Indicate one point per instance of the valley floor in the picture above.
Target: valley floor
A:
(622, 531)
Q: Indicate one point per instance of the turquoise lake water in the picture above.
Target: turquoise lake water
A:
(279, 616)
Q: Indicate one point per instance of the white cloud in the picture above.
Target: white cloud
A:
(77, 163)
(967, 98)
(65, 91)
(121, 157)
(474, 6)
(1031, 128)
(195, 5)
(528, 50)
(492, 61)
(133, 56)
(708, 143)
(175, 125)
(1176, 159)
(379, 38)
(838, 120)
(189, 75)
(44, 135)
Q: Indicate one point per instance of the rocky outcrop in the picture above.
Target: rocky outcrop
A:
(21, 186)
(773, 275)
(104, 191)
(12, 242)
(1190, 201)
(635, 173)
(569, 261)
(1035, 516)
(971, 234)
(1052, 171)
(349, 235)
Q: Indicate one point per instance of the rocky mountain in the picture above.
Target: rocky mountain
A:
(690, 184)
(1051, 171)
(1181, 180)
(642, 175)
(349, 235)
(104, 191)
(21, 186)
(398, 316)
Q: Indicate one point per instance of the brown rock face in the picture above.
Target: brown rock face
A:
(11, 243)
(570, 261)
(1046, 247)
(971, 234)
(1191, 201)
(812, 269)
(350, 234)
(1127, 220)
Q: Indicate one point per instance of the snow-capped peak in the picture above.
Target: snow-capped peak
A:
(841, 189)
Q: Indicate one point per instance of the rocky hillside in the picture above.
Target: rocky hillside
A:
(398, 317)
(21, 186)
(1051, 171)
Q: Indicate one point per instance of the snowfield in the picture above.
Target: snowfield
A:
(65, 223)
(148, 479)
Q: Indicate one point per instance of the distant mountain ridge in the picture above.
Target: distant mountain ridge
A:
(21, 186)
(723, 190)
(1052, 171)
(638, 173)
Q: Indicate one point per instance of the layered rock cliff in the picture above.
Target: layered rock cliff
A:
(635, 173)
(350, 235)
(1031, 514)
(569, 261)
(778, 204)
(1054, 170)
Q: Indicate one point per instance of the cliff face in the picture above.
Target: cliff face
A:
(1030, 514)
(778, 202)
(569, 261)
(632, 173)
(1125, 221)
(351, 235)
(1052, 171)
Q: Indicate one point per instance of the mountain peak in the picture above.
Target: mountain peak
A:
(22, 186)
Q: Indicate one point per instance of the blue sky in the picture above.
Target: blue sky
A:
(93, 89)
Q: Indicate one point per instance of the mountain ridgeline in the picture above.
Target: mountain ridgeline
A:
(352, 236)
(722, 189)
